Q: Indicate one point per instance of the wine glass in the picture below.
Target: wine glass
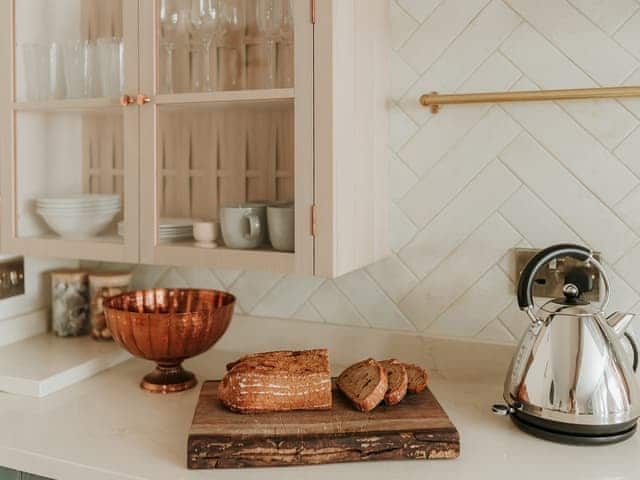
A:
(285, 47)
(169, 20)
(269, 23)
(204, 20)
(233, 26)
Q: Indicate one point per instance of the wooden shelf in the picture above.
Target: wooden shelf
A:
(70, 104)
(106, 248)
(227, 96)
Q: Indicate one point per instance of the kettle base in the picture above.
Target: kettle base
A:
(547, 430)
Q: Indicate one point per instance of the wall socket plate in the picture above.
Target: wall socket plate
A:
(550, 279)
(11, 277)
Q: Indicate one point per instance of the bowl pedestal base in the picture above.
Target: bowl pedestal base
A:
(168, 378)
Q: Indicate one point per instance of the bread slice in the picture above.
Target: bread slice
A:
(417, 378)
(398, 381)
(277, 382)
(364, 383)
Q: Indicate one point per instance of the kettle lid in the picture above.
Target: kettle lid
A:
(572, 304)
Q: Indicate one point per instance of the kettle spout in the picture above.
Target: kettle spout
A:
(619, 321)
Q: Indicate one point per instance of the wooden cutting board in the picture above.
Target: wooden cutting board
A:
(418, 428)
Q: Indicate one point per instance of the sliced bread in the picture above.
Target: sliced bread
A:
(364, 383)
(398, 381)
(278, 382)
(417, 378)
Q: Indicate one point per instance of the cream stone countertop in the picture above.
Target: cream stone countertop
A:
(107, 428)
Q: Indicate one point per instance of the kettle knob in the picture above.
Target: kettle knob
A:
(571, 291)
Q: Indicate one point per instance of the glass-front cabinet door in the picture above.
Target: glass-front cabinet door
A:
(70, 187)
(227, 133)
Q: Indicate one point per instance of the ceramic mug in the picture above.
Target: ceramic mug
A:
(281, 222)
(244, 225)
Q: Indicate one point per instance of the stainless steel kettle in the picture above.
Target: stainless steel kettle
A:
(571, 379)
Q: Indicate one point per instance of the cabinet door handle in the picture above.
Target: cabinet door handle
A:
(142, 99)
(126, 100)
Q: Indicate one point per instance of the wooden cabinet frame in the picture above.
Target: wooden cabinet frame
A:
(340, 109)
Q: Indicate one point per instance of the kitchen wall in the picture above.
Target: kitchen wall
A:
(473, 182)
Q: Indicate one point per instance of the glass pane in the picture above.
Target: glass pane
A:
(68, 49)
(232, 164)
(70, 174)
(213, 45)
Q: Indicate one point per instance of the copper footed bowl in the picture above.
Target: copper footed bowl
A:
(168, 326)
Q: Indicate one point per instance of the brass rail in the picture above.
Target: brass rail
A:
(435, 100)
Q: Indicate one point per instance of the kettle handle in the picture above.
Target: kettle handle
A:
(528, 275)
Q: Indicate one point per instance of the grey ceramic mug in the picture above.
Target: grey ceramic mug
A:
(281, 220)
(244, 225)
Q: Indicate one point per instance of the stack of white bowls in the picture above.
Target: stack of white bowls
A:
(78, 217)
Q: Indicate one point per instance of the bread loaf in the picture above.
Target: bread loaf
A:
(417, 378)
(277, 381)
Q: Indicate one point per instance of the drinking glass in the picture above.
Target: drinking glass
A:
(269, 23)
(169, 20)
(233, 26)
(57, 87)
(208, 13)
(109, 54)
(74, 68)
(36, 71)
(285, 69)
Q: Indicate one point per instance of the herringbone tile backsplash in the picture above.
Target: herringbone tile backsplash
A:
(472, 182)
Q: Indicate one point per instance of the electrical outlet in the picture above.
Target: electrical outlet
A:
(551, 278)
(11, 277)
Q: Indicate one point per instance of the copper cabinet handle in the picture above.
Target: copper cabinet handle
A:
(142, 99)
(126, 100)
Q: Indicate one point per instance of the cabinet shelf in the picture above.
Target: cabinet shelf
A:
(69, 105)
(227, 96)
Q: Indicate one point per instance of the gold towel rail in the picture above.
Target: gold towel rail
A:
(435, 100)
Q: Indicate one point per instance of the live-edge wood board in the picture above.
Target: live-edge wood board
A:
(418, 428)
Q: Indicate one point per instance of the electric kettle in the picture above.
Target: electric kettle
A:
(571, 380)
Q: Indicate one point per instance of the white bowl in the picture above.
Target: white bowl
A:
(76, 212)
(78, 227)
(79, 199)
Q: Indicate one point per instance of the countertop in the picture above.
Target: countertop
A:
(107, 428)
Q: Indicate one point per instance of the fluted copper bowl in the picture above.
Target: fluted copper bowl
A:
(168, 326)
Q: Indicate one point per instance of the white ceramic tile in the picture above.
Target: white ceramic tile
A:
(576, 205)
(465, 54)
(442, 131)
(551, 69)
(287, 296)
(401, 177)
(602, 58)
(508, 261)
(629, 152)
(629, 210)
(401, 127)
(402, 25)
(459, 271)
(583, 155)
(371, 301)
(252, 286)
(629, 267)
(403, 76)
(606, 14)
(515, 320)
(536, 221)
(393, 277)
(623, 296)
(227, 277)
(334, 307)
(495, 332)
(401, 229)
(200, 278)
(146, 276)
(171, 278)
(419, 9)
(463, 162)
(629, 35)
(476, 308)
(493, 186)
(433, 37)
(308, 313)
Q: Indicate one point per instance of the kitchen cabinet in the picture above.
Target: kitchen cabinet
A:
(188, 122)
